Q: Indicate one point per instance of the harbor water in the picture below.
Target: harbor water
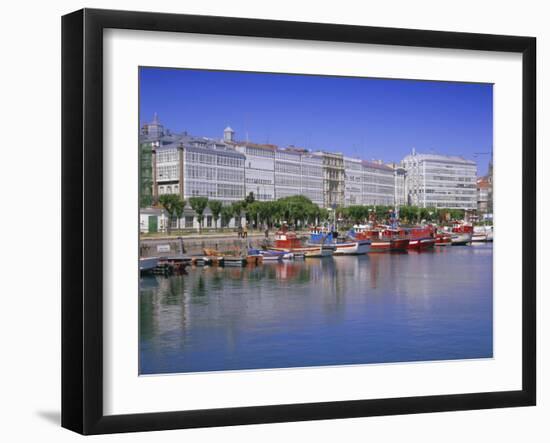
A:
(375, 308)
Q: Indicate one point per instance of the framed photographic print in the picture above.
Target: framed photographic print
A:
(269, 221)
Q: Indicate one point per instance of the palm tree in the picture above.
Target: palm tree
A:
(198, 204)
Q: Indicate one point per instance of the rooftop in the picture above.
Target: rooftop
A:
(440, 158)
(376, 165)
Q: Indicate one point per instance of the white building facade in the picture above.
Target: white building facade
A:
(378, 184)
(288, 171)
(353, 181)
(400, 196)
(227, 170)
(209, 169)
(312, 178)
(259, 170)
(440, 181)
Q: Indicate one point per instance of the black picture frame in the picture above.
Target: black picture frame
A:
(82, 215)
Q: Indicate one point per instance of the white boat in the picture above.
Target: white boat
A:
(461, 238)
(483, 234)
(356, 247)
(270, 257)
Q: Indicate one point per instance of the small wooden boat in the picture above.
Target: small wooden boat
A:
(212, 252)
(230, 260)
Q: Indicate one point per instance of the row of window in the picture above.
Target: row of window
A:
(167, 156)
(213, 174)
(167, 172)
(214, 159)
(260, 152)
(452, 171)
(357, 166)
(312, 171)
(450, 177)
(259, 181)
(168, 189)
(312, 183)
(288, 156)
(288, 168)
(289, 180)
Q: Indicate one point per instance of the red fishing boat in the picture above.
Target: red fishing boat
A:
(461, 233)
(420, 238)
(288, 241)
(383, 239)
(443, 238)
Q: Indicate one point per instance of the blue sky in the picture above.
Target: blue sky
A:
(361, 117)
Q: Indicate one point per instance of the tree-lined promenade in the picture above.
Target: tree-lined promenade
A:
(297, 211)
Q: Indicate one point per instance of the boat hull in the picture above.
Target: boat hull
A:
(308, 252)
(482, 235)
(461, 239)
(389, 245)
(479, 238)
(234, 261)
(358, 247)
(421, 243)
(148, 264)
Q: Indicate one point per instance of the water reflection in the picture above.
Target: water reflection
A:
(346, 310)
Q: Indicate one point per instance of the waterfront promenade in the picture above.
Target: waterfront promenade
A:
(194, 243)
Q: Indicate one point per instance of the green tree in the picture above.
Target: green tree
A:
(226, 214)
(173, 205)
(403, 213)
(216, 208)
(431, 214)
(357, 213)
(253, 212)
(198, 204)
(249, 199)
(237, 208)
(323, 214)
(457, 214)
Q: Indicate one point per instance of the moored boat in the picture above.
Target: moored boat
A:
(349, 246)
(461, 234)
(148, 264)
(482, 234)
(382, 239)
(231, 260)
(288, 242)
(443, 238)
(356, 247)
(420, 238)
(267, 256)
